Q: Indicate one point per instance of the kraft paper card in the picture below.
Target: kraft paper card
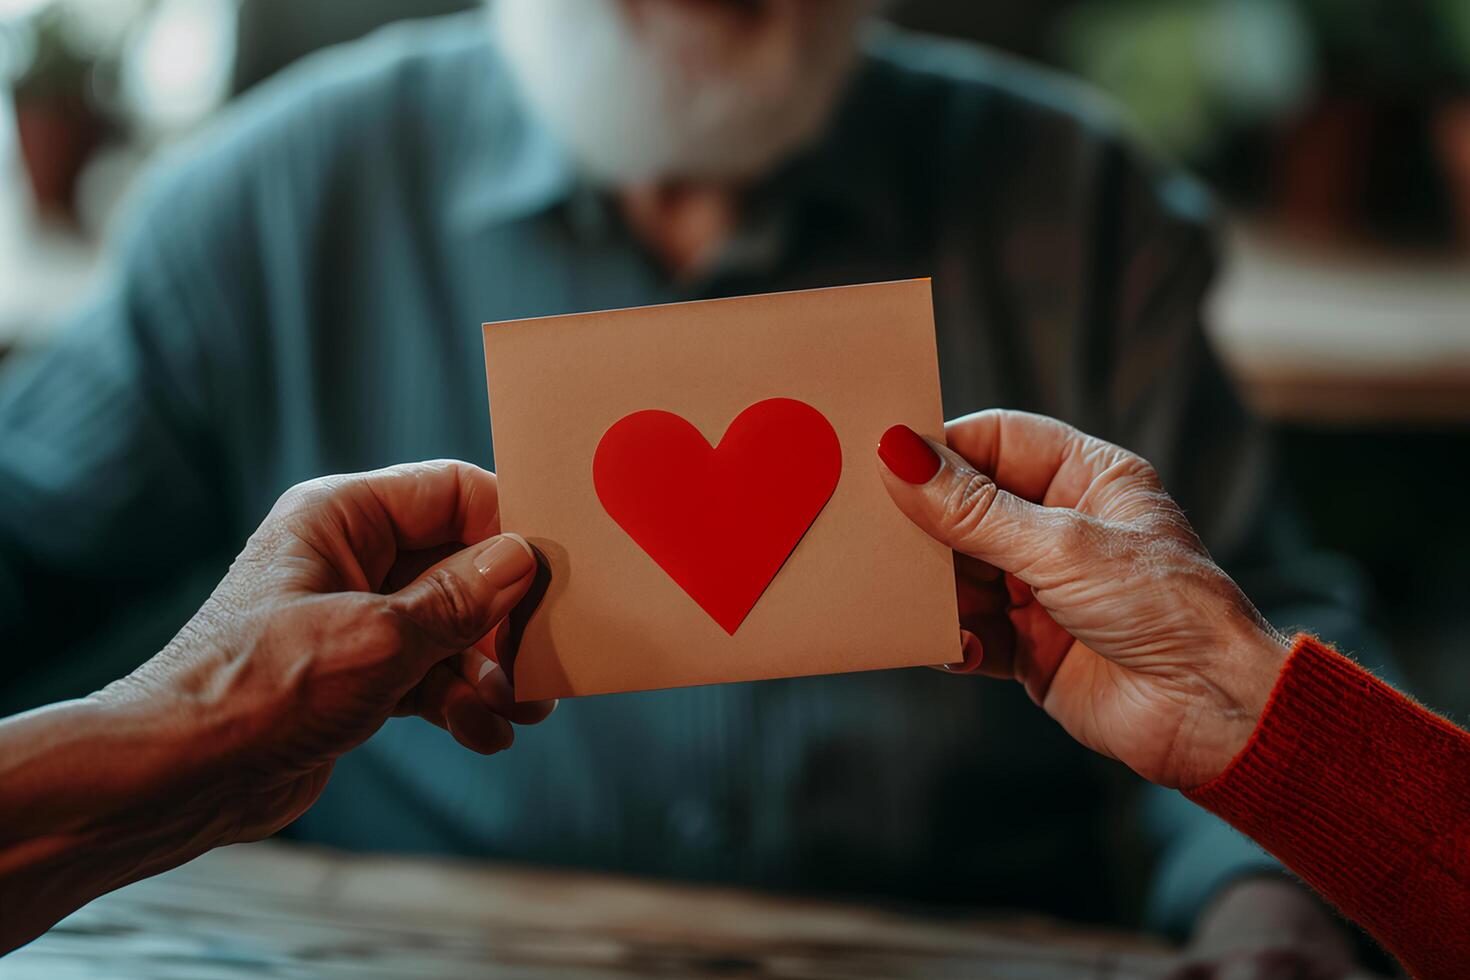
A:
(702, 479)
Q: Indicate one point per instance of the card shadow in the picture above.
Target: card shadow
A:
(508, 643)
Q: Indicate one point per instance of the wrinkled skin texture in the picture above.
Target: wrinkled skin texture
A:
(359, 598)
(299, 656)
(1079, 577)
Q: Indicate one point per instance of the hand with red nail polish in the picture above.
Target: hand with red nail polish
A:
(359, 598)
(1080, 578)
(907, 455)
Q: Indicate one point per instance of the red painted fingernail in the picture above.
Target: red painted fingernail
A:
(909, 457)
(972, 654)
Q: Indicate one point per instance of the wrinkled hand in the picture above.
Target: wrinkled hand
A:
(359, 597)
(1080, 578)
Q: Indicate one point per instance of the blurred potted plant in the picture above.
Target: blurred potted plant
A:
(60, 57)
(1377, 150)
(1342, 117)
(1194, 74)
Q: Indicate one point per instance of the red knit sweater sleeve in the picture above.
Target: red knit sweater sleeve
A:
(1366, 796)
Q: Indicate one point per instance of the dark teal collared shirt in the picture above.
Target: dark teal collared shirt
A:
(300, 293)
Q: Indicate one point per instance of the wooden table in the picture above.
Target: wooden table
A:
(285, 911)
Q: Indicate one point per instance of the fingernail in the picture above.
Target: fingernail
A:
(909, 457)
(506, 561)
(972, 654)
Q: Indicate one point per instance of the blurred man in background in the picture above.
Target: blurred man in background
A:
(301, 292)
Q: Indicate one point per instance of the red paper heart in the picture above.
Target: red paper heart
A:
(720, 521)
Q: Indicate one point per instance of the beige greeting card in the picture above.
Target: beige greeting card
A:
(702, 479)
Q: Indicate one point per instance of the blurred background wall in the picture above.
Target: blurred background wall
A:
(1336, 131)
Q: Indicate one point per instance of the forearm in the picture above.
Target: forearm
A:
(1363, 794)
(93, 795)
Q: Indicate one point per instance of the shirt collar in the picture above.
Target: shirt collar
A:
(513, 167)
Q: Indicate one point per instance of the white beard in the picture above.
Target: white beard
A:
(679, 94)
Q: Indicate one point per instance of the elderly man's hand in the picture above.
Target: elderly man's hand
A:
(360, 597)
(1081, 578)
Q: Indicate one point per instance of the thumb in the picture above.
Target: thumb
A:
(458, 601)
(956, 504)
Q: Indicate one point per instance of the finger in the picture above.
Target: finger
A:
(987, 649)
(972, 653)
(980, 600)
(445, 699)
(1042, 652)
(997, 637)
(965, 509)
(434, 502)
(1032, 456)
(411, 564)
(494, 688)
(454, 604)
(375, 516)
